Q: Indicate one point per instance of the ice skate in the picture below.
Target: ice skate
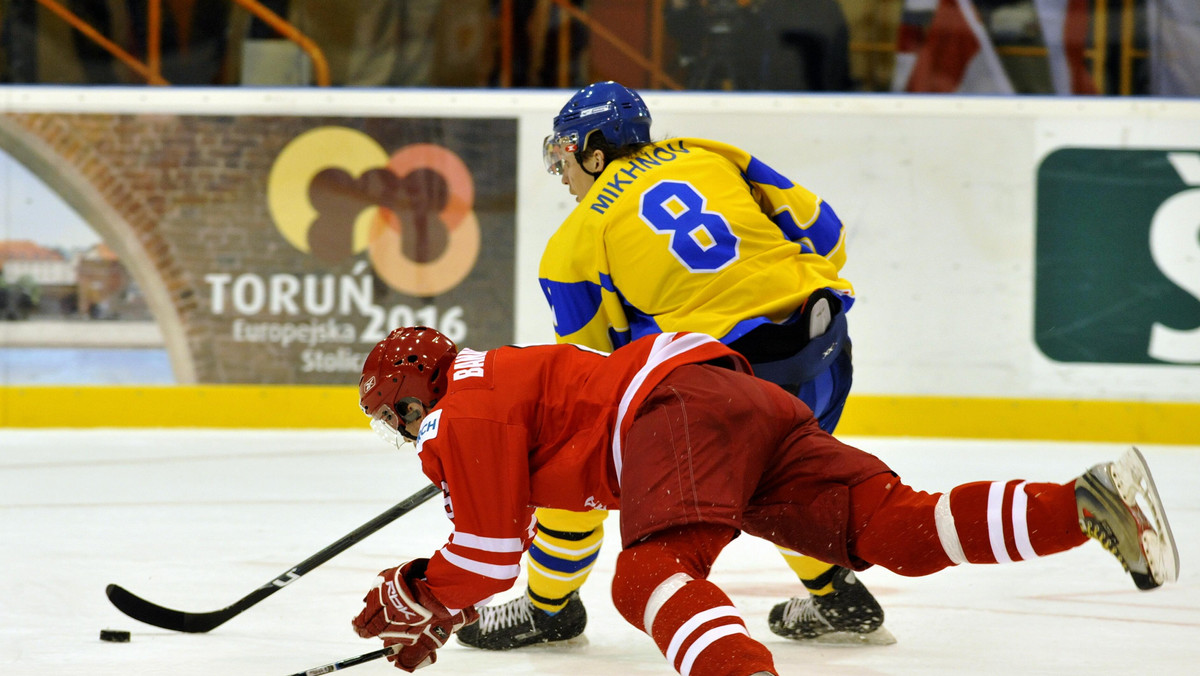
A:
(1120, 508)
(849, 615)
(518, 623)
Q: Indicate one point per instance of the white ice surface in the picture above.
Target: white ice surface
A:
(195, 520)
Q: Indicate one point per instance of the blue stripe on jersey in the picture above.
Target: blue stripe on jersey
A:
(573, 304)
(558, 565)
(759, 172)
(640, 323)
(787, 223)
(617, 338)
(742, 328)
(824, 233)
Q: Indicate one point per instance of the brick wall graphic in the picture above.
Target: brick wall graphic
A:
(280, 249)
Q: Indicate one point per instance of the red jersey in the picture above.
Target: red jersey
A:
(541, 426)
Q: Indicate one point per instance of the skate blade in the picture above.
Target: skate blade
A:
(1136, 486)
(849, 639)
(570, 644)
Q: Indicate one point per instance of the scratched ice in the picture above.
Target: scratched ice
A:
(196, 519)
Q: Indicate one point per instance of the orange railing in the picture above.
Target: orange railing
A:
(151, 69)
(148, 72)
(287, 30)
(652, 65)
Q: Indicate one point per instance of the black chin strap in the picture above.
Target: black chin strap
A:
(408, 416)
(596, 175)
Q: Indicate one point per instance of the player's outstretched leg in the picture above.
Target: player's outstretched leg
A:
(518, 623)
(1115, 503)
(845, 614)
(1120, 508)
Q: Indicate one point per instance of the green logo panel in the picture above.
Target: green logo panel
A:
(1117, 277)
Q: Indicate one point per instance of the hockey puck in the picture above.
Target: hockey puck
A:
(114, 636)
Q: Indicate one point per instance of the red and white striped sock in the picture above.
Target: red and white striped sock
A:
(659, 587)
(701, 634)
(915, 533)
(1001, 522)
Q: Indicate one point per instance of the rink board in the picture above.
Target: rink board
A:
(982, 307)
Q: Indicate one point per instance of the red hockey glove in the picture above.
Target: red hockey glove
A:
(400, 609)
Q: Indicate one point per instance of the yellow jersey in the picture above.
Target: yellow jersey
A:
(689, 235)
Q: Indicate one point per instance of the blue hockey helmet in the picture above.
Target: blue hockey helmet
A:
(616, 111)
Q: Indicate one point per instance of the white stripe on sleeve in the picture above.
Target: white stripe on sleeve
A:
(494, 571)
(487, 544)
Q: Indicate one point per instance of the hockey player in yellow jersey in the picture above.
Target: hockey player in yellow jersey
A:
(687, 234)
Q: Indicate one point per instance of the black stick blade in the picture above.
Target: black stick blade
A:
(176, 620)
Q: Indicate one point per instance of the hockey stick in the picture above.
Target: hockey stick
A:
(349, 662)
(197, 623)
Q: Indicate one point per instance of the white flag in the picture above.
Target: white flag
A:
(1064, 30)
(952, 54)
(1174, 47)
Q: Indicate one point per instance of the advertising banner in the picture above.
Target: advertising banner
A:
(388, 222)
(288, 246)
(1021, 266)
(1118, 256)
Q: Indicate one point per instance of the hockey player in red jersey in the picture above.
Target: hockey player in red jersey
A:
(672, 431)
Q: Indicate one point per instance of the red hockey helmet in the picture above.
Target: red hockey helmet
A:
(411, 363)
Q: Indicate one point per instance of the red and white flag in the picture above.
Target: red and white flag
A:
(1065, 30)
(943, 47)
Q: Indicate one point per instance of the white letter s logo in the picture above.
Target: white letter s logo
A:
(1175, 247)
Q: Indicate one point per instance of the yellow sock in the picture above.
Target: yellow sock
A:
(817, 576)
(562, 555)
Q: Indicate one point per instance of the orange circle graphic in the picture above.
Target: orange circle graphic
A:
(458, 179)
(458, 258)
(423, 279)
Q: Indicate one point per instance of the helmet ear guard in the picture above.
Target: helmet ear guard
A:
(410, 415)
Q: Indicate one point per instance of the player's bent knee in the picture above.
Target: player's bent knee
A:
(902, 531)
(650, 572)
(693, 623)
(645, 577)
